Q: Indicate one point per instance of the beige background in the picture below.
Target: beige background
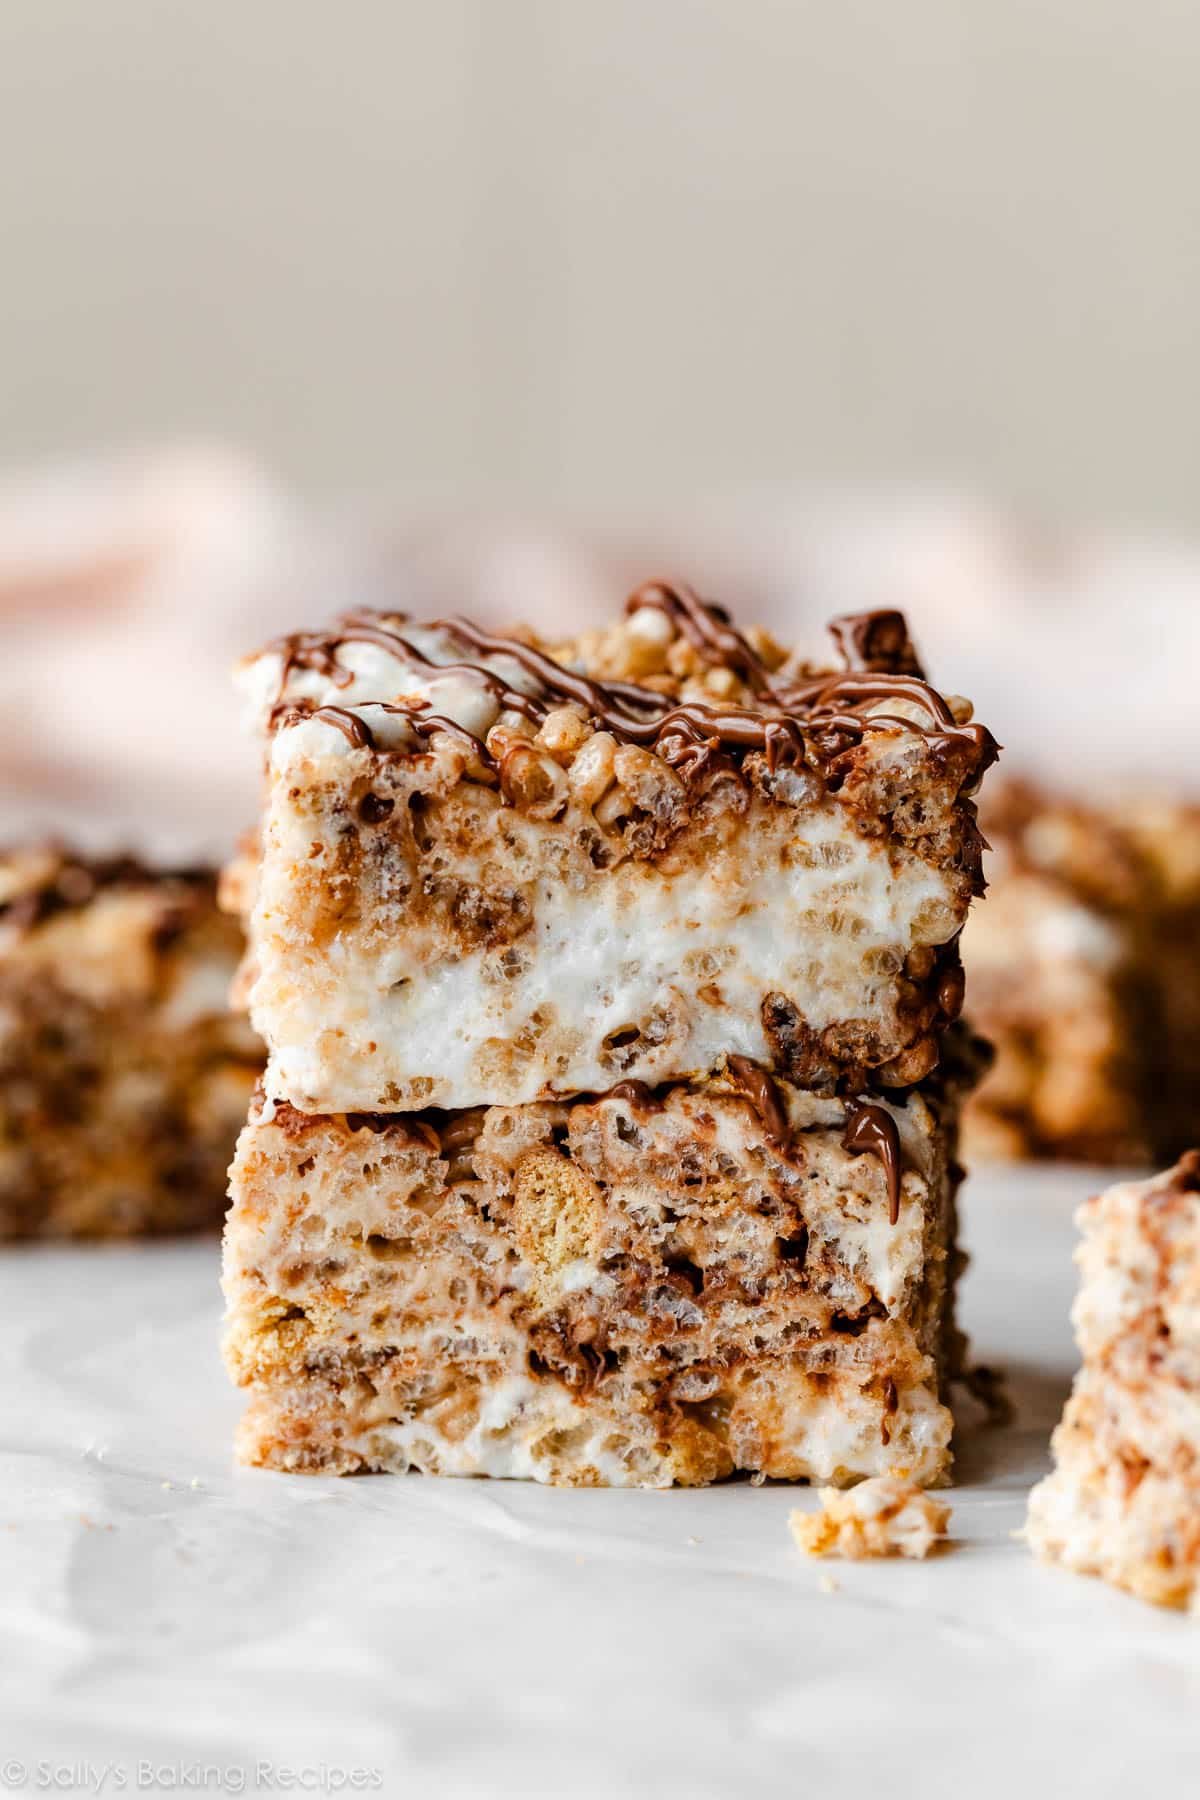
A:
(599, 251)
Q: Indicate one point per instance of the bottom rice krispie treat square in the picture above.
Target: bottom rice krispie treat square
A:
(637, 1288)
(124, 1078)
(1124, 1499)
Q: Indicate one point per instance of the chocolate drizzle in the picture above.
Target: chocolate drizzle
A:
(795, 718)
(355, 730)
(318, 651)
(878, 641)
(707, 629)
(871, 1131)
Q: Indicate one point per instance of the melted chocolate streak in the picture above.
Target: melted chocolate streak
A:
(810, 721)
(764, 1096)
(869, 1129)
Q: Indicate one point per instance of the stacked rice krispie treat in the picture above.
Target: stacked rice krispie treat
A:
(1124, 1499)
(1085, 974)
(608, 1130)
(124, 1078)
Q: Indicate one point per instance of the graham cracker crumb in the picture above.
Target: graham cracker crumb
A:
(883, 1516)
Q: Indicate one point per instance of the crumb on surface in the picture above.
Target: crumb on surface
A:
(883, 1516)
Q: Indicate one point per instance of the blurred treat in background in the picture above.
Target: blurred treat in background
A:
(124, 1078)
(1084, 970)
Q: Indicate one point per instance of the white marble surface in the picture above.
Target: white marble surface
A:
(166, 1618)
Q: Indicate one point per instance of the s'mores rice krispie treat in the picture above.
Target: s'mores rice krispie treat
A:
(493, 871)
(124, 1078)
(1124, 1499)
(1084, 964)
(606, 1135)
(635, 1288)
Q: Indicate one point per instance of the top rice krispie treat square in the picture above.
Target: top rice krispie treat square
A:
(493, 871)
